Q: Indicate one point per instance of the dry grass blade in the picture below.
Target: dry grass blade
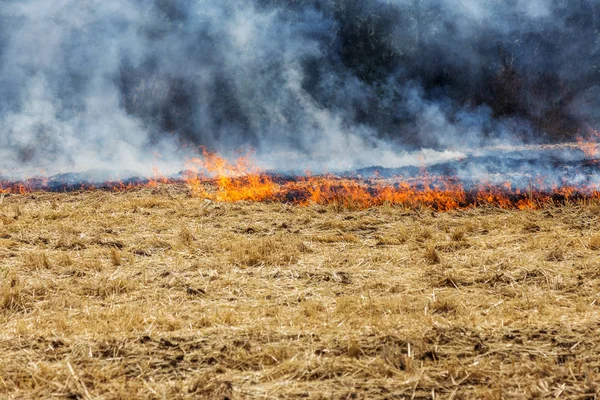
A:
(595, 242)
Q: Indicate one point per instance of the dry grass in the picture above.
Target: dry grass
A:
(153, 294)
(595, 242)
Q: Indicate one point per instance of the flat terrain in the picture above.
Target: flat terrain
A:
(156, 294)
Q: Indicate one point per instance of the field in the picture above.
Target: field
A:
(153, 293)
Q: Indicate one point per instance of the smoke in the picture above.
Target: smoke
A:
(320, 84)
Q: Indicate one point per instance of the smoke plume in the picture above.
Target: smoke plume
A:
(322, 84)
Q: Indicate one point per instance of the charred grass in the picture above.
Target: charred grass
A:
(154, 294)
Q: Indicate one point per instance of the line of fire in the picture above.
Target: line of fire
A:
(215, 178)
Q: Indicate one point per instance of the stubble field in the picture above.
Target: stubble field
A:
(156, 294)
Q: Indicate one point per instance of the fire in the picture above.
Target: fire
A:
(157, 178)
(234, 182)
(429, 193)
(213, 177)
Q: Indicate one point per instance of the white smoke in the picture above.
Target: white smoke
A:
(326, 85)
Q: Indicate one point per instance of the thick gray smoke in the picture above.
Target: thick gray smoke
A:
(321, 84)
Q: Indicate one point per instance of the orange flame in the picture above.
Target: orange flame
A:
(230, 182)
(215, 178)
(234, 182)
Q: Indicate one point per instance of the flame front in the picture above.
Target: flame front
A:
(234, 182)
(214, 178)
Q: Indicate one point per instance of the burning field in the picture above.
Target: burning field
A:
(231, 283)
(524, 177)
(324, 199)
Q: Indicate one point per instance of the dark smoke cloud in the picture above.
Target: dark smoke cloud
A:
(328, 84)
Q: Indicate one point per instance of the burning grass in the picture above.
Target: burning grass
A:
(214, 178)
(157, 293)
(241, 181)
